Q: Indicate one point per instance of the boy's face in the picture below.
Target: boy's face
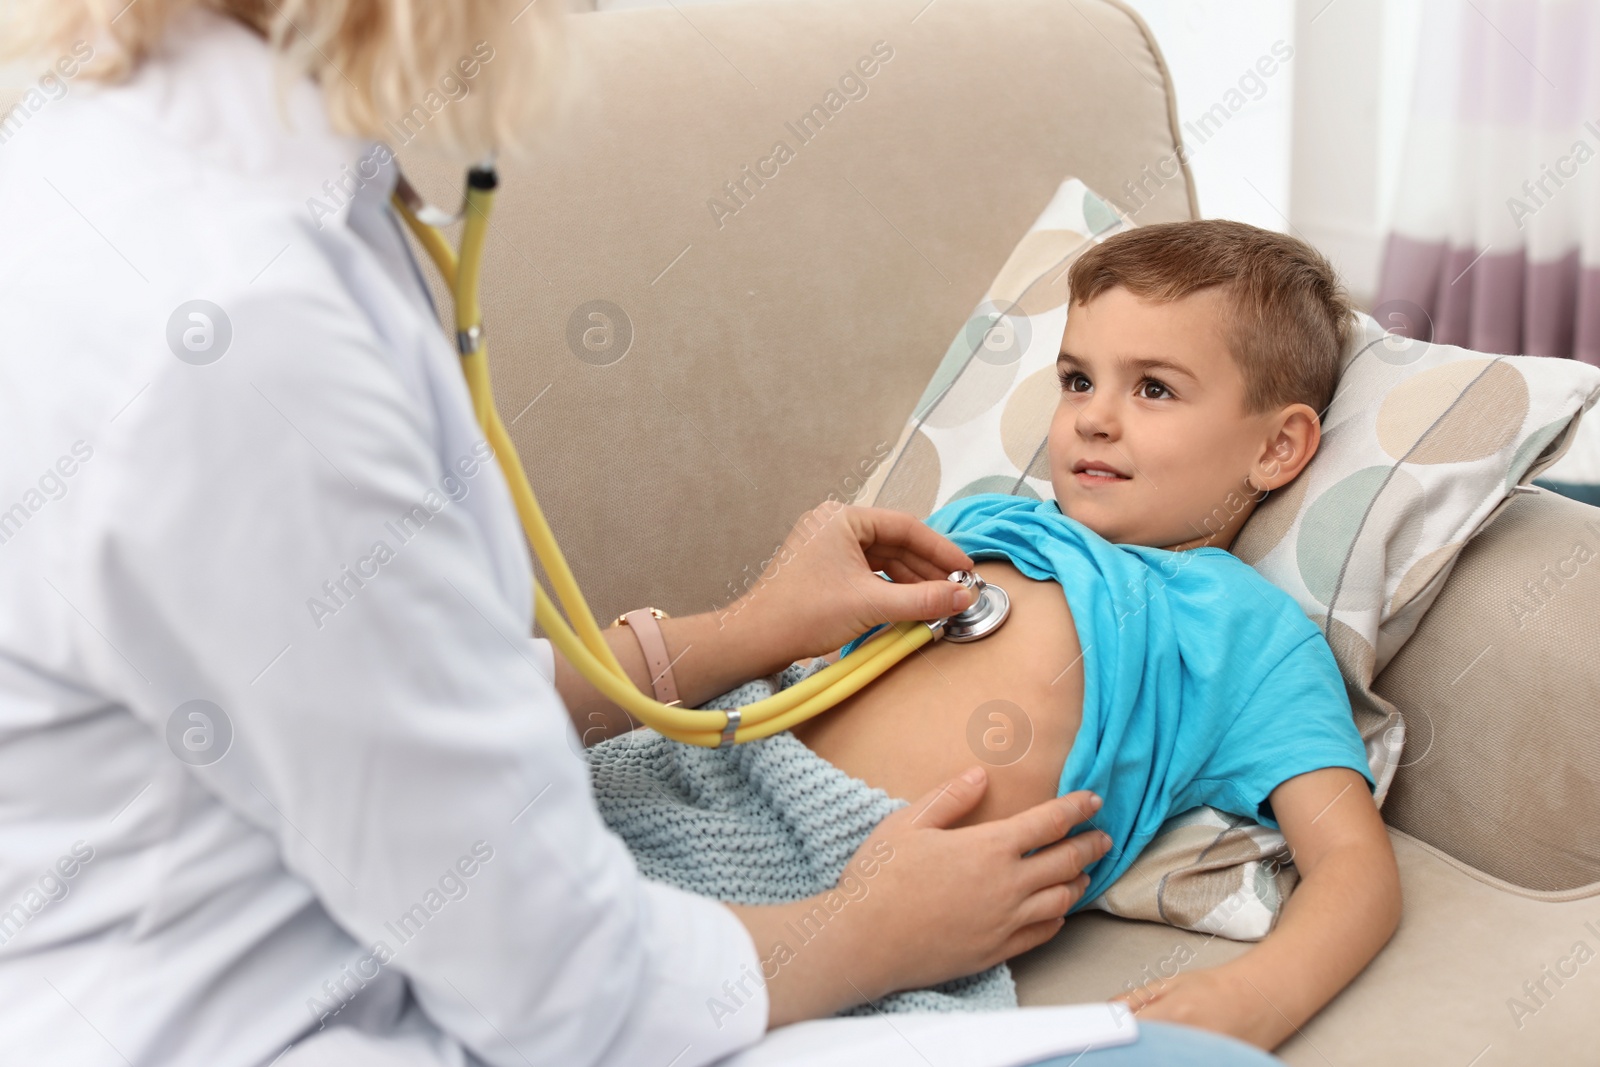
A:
(1151, 394)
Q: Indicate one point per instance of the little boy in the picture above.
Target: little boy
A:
(1195, 361)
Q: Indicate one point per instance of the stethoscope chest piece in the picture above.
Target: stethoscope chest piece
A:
(985, 614)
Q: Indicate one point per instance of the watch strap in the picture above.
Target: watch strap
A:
(643, 622)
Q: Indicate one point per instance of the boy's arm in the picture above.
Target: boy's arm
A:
(1343, 911)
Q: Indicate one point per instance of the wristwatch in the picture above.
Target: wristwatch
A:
(642, 621)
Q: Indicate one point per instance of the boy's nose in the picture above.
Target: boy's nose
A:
(1097, 418)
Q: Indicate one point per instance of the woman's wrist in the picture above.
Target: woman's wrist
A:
(708, 655)
(815, 961)
(714, 652)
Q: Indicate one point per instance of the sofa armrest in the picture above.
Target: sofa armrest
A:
(1500, 688)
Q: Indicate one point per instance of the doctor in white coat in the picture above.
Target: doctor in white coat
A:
(284, 776)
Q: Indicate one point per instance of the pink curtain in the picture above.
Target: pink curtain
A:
(1496, 240)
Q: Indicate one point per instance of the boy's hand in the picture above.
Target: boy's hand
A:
(1345, 907)
(1219, 999)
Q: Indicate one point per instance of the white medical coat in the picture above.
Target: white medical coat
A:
(378, 827)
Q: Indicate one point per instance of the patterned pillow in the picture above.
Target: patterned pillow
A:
(981, 424)
(1422, 446)
(1577, 473)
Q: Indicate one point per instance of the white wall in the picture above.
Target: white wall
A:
(1358, 62)
(1241, 167)
(1318, 153)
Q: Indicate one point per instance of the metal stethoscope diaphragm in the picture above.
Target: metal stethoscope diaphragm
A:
(981, 618)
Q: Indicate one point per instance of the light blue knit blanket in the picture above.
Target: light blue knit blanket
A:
(764, 822)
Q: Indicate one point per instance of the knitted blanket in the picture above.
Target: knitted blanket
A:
(764, 822)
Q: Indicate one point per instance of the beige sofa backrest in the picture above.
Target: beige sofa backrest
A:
(775, 345)
(777, 348)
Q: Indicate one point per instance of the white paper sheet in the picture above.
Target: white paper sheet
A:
(944, 1039)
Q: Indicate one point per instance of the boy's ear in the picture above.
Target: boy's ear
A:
(1294, 434)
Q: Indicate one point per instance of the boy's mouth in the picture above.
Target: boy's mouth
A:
(1092, 472)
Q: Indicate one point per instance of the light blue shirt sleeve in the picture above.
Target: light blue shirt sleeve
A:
(1297, 720)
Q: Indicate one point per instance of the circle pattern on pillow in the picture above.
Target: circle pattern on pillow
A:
(996, 483)
(955, 358)
(980, 386)
(1420, 573)
(1460, 411)
(1274, 517)
(1532, 448)
(1348, 646)
(1376, 510)
(1028, 279)
(1097, 213)
(1270, 520)
(1004, 339)
(913, 483)
(1025, 422)
(1040, 467)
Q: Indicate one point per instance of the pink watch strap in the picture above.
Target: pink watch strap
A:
(642, 622)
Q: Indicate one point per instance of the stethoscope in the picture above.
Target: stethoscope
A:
(581, 642)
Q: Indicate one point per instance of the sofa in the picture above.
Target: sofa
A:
(696, 338)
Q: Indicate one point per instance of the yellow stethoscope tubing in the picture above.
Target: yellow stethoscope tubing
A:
(582, 642)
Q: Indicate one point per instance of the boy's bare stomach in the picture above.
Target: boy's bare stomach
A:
(1011, 702)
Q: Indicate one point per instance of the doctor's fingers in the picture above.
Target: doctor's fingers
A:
(1045, 824)
(1052, 902)
(887, 534)
(908, 573)
(1064, 862)
(1030, 936)
(906, 568)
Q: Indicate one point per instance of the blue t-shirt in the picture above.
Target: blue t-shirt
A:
(1203, 683)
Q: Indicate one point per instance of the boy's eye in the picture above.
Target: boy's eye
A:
(1150, 389)
(1073, 381)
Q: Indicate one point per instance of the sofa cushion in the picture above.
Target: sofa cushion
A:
(1475, 965)
(1501, 690)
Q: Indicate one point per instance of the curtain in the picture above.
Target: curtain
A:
(1496, 238)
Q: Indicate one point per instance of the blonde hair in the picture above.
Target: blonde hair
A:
(376, 61)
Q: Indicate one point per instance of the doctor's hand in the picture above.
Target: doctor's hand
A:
(819, 591)
(920, 903)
